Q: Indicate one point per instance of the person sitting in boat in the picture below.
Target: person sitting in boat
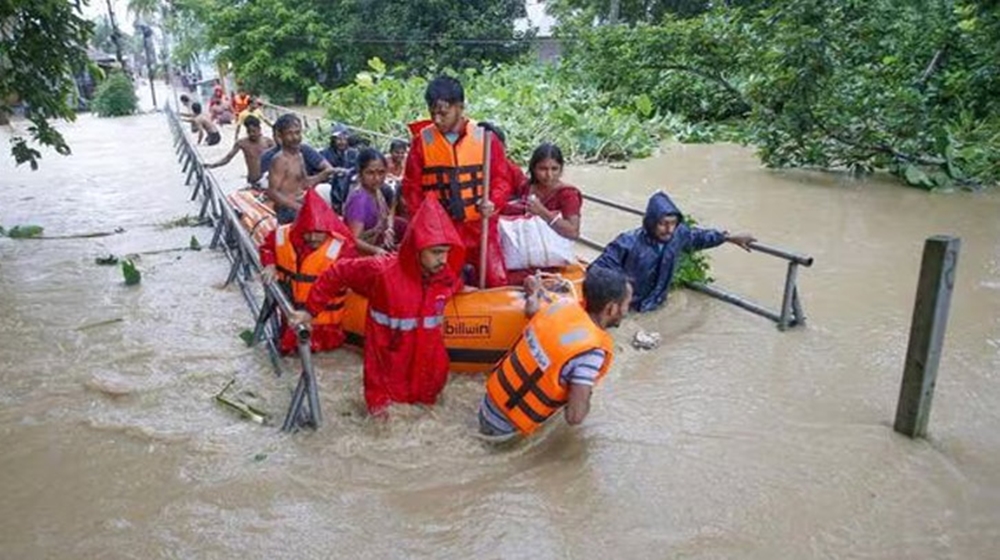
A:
(405, 360)
(296, 254)
(397, 160)
(315, 163)
(544, 194)
(649, 254)
(445, 165)
(394, 176)
(288, 178)
(563, 352)
(344, 160)
(368, 214)
(253, 147)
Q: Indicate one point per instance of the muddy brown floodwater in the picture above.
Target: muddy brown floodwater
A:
(732, 440)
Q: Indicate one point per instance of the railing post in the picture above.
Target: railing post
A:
(788, 296)
(930, 317)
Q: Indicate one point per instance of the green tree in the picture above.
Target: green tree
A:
(283, 47)
(42, 44)
(588, 12)
(908, 88)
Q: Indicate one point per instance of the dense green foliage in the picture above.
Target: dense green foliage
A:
(532, 103)
(115, 97)
(42, 44)
(283, 47)
(912, 88)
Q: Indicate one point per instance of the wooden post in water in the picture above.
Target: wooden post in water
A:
(930, 316)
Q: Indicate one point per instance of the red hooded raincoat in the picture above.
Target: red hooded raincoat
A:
(405, 359)
(315, 215)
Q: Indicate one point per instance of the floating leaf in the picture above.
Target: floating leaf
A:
(916, 177)
(106, 260)
(24, 232)
(194, 245)
(131, 273)
(247, 336)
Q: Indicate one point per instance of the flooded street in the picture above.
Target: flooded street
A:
(731, 440)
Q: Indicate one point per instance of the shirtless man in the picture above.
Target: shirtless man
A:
(287, 180)
(206, 128)
(253, 146)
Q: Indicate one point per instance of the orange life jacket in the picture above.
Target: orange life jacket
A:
(453, 173)
(240, 103)
(525, 385)
(300, 276)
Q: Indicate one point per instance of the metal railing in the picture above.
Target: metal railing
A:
(790, 314)
(272, 112)
(230, 236)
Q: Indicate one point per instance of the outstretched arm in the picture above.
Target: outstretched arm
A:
(579, 403)
(226, 158)
(615, 253)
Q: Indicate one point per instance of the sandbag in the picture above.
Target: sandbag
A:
(529, 242)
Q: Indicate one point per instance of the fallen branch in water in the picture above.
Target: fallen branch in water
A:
(244, 409)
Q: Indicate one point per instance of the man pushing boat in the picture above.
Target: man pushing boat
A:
(563, 352)
(405, 360)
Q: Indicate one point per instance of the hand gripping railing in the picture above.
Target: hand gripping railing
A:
(241, 251)
(790, 315)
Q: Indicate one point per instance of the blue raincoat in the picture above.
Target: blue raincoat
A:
(650, 263)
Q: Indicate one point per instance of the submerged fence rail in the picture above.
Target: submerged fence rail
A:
(230, 236)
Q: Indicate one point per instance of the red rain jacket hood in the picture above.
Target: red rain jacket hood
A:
(315, 215)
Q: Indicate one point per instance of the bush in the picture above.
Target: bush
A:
(531, 103)
(115, 97)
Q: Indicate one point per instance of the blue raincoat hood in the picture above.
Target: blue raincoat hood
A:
(659, 205)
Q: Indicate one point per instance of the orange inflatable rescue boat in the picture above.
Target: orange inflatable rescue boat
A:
(479, 327)
(255, 211)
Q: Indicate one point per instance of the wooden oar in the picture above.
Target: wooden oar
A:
(485, 236)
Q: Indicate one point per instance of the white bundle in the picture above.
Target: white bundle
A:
(529, 242)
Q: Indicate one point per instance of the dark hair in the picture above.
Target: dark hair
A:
(368, 155)
(444, 88)
(196, 108)
(353, 141)
(251, 121)
(602, 286)
(285, 122)
(398, 145)
(496, 130)
(185, 98)
(542, 153)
